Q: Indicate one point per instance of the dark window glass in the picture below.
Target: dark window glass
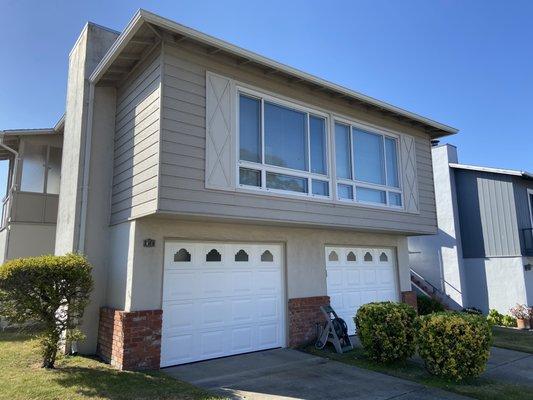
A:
(285, 137)
(250, 128)
(249, 177)
(286, 182)
(317, 133)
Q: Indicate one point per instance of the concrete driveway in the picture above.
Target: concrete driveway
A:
(290, 374)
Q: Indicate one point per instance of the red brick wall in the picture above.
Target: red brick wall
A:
(304, 314)
(409, 297)
(130, 340)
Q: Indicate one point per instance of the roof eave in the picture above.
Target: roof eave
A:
(435, 129)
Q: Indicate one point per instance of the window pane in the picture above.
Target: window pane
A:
(368, 157)
(392, 162)
(395, 199)
(342, 151)
(285, 137)
(33, 162)
(320, 188)
(286, 182)
(250, 128)
(249, 177)
(371, 195)
(54, 170)
(345, 191)
(317, 127)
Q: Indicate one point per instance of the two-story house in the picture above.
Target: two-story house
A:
(29, 208)
(222, 197)
(483, 251)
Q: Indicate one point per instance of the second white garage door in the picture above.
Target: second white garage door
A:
(221, 299)
(356, 276)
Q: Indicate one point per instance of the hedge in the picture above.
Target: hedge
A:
(387, 330)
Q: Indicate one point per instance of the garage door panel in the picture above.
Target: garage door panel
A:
(268, 335)
(359, 275)
(178, 348)
(181, 285)
(242, 340)
(213, 313)
(223, 307)
(267, 281)
(212, 283)
(212, 343)
(242, 282)
(178, 317)
(353, 278)
(335, 278)
(268, 308)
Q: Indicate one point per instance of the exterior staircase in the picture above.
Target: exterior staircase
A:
(422, 286)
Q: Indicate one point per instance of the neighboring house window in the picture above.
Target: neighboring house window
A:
(41, 168)
(367, 166)
(282, 148)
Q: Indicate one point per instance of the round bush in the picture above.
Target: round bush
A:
(454, 345)
(53, 290)
(427, 305)
(387, 330)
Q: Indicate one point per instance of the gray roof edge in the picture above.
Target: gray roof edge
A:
(149, 17)
(503, 171)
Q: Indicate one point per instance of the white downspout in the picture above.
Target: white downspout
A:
(86, 166)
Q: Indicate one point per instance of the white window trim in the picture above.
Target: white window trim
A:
(264, 168)
(354, 182)
(331, 118)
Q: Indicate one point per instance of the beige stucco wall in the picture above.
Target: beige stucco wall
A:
(30, 240)
(141, 268)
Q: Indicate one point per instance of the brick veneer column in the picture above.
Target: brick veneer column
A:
(304, 314)
(409, 297)
(130, 340)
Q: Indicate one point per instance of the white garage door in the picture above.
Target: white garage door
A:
(221, 299)
(356, 276)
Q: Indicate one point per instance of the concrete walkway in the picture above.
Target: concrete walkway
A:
(291, 374)
(510, 366)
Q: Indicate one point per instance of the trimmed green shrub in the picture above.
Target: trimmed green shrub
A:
(53, 290)
(427, 305)
(387, 330)
(509, 321)
(454, 345)
(494, 317)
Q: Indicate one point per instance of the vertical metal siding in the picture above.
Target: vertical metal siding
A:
(487, 213)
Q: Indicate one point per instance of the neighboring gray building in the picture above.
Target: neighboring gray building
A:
(483, 252)
(222, 197)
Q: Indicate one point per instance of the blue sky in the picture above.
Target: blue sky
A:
(468, 64)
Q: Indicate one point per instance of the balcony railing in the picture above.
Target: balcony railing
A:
(528, 241)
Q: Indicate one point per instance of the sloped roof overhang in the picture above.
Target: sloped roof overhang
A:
(178, 32)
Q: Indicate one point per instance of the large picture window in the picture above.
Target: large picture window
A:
(41, 168)
(282, 148)
(367, 166)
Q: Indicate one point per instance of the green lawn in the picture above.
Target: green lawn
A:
(481, 388)
(79, 378)
(513, 339)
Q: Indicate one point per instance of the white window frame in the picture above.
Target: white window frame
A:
(264, 168)
(354, 182)
(46, 168)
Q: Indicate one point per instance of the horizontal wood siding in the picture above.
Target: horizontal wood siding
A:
(137, 140)
(487, 214)
(183, 134)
